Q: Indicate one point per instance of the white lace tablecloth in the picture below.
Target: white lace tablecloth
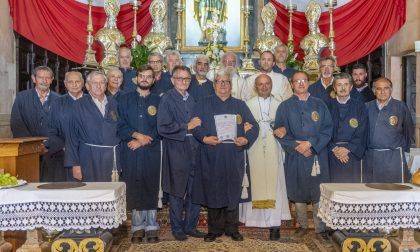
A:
(356, 206)
(96, 205)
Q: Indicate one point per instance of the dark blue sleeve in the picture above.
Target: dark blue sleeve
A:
(357, 145)
(55, 141)
(288, 143)
(124, 131)
(252, 134)
(17, 123)
(323, 137)
(72, 142)
(167, 125)
(199, 111)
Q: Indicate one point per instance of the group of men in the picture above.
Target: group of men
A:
(165, 132)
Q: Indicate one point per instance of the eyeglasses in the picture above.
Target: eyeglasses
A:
(148, 77)
(43, 77)
(222, 82)
(303, 81)
(155, 62)
(187, 79)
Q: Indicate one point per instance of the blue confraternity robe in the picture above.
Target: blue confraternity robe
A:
(163, 85)
(310, 121)
(202, 90)
(87, 128)
(390, 135)
(141, 167)
(220, 168)
(350, 131)
(179, 146)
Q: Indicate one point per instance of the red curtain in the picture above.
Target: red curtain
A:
(60, 25)
(360, 26)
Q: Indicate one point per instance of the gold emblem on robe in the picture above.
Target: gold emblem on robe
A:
(114, 116)
(151, 110)
(238, 119)
(354, 123)
(393, 120)
(315, 116)
(333, 94)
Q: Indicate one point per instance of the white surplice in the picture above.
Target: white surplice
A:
(266, 170)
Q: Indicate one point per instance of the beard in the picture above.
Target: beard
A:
(147, 87)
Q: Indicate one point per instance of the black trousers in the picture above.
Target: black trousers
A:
(223, 220)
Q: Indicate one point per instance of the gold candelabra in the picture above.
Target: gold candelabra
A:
(136, 4)
(330, 4)
(179, 8)
(291, 8)
(90, 59)
(247, 63)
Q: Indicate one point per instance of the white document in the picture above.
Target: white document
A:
(225, 126)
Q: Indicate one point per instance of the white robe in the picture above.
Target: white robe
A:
(281, 87)
(266, 183)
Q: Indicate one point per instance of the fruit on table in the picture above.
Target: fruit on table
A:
(7, 180)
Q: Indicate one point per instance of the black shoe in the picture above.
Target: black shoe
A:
(179, 236)
(152, 236)
(274, 234)
(138, 236)
(236, 236)
(195, 233)
(210, 237)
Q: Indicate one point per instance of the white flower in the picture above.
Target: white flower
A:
(138, 38)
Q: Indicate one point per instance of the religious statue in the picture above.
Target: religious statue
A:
(314, 42)
(208, 13)
(267, 41)
(109, 36)
(157, 40)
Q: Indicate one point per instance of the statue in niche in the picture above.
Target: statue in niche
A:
(314, 42)
(204, 10)
(109, 36)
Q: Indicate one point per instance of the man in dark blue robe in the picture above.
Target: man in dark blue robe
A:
(129, 75)
(309, 128)
(201, 86)
(220, 179)
(162, 79)
(140, 155)
(174, 123)
(348, 142)
(361, 89)
(390, 135)
(59, 123)
(281, 52)
(30, 114)
(319, 89)
(92, 146)
(115, 80)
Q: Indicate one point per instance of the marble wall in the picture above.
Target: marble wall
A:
(7, 68)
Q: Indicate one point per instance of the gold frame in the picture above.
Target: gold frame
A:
(198, 49)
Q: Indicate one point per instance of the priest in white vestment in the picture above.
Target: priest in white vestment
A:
(269, 204)
(281, 87)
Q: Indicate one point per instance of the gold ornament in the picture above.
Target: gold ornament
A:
(157, 40)
(393, 120)
(267, 41)
(238, 119)
(114, 116)
(151, 110)
(315, 116)
(333, 94)
(354, 123)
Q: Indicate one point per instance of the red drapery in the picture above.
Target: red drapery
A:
(360, 26)
(60, 25)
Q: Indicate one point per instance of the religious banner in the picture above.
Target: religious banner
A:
(60, 26)
(360, 26)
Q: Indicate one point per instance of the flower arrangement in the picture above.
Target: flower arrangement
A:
(215, 53)
(291, 60)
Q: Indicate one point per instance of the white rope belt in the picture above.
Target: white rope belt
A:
(114, 175)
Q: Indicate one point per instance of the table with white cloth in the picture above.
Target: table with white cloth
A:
(356, 206)
(95, 205)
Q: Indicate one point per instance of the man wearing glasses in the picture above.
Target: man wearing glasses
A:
(226, 131)
(30, 113)
(140, 155)
(309, 128)
(175, 122)
(162, 81)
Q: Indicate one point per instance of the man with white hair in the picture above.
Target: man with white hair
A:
(201, 86)
(229, 62)
(129, 75)
(115, 79)
(92, 146)
(281, 86)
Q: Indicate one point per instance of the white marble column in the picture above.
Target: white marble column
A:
(7, 68)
